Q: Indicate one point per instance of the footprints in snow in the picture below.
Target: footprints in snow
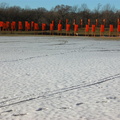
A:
(20, 114)
(81, 103)
(107, 99)
(62, 108)
(40, 109)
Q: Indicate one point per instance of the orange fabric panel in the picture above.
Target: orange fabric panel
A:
(1, 23)
(93, 28)
(102, 28)
(27, 25)
(75, 27)
(20, 26)
(7, 24)
(59, 27)
(111, 28)
(44, 26)
(67, 27)
(36, 26)
(51, 26)
(87, 28)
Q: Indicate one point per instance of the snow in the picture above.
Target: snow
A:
(59, 78)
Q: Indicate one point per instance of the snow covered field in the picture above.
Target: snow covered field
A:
(59, 78)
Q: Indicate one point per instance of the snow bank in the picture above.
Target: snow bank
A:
(59, 78)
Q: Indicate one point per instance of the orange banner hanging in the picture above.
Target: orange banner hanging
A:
(51, 26)
(111, 28)
(1, 23)
(67, 27)
(43, 26)
(4, 26)
(36, 26)
(102, 28)
(20, 27)
(27, 25)
(59, 27)
(26, 22)
(87, 28)
(75, 27)
(7, 25)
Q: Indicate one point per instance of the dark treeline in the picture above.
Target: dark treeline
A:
(61, 12)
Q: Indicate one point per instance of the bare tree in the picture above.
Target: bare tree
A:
(60, 12)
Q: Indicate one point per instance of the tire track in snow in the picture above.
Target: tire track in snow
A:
(60, 91)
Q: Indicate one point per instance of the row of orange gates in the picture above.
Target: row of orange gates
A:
(27, 26)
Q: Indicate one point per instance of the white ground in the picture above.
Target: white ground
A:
(59, 78)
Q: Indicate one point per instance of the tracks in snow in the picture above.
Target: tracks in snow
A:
(15, 101)
(40, 56)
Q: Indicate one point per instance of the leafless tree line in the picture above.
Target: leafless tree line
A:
(61, 12)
